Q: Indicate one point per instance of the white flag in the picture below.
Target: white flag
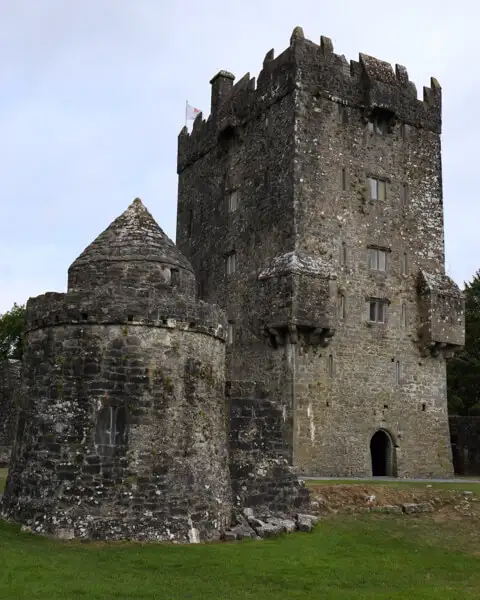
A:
(192, 112)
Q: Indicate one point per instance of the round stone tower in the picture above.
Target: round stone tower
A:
(122, 427)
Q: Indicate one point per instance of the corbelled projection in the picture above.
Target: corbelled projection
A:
(310, 206)
(304, 319)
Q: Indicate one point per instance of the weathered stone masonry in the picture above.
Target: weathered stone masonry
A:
(122, 431)
(310, 206)
(9, 388)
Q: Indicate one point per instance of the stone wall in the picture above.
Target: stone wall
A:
(9, 388)
(131, 441)
(261, 475)
(465, 439)
(280, 176)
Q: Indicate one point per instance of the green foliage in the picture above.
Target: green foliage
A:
(463, 371)
(12, 325)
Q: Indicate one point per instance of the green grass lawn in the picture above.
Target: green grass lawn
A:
(348, 556)
(367, 557)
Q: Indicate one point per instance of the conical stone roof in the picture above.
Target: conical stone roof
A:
(133, 236)
(132, 258)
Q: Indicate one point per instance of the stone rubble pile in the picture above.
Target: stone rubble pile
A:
(249, 526)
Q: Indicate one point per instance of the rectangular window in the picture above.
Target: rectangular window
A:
(231, 263)
(233, 201)
(231, 333)
(377, 259)
(377, 310)
(404, 194)
(341, 306)
(378, 188)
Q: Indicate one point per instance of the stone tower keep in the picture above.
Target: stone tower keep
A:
(310, 206)
(122, 429)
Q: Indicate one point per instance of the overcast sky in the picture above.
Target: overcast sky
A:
(92, 98)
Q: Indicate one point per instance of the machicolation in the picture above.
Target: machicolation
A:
(300, 325)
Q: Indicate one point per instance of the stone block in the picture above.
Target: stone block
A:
(422, 507)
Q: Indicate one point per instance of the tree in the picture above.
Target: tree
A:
(463, 371)
(12, 325)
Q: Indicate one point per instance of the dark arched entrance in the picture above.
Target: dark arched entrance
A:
(382, 452)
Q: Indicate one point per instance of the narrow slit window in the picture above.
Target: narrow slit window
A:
(174, 277)
(110, 430)
(343, 254)
(344, 179)
(403, 319)
(342, 113)
(231, 333)
(233, 201)
(330, 366)
(341, 306)
(404, 194)
(397, 371)
(404, 264)
(231, 263)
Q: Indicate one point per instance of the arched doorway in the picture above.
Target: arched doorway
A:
(382, 452)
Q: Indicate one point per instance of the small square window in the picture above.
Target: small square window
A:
(378, 188)
(377, 259)
(231, 263)
(377, 310)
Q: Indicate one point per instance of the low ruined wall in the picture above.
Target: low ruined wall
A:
(9, 385)
(261, 474)
(465, 439)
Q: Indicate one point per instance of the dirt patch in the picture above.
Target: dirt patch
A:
(448, 504)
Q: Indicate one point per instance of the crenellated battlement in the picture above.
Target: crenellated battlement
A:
(315, 69)
(58, 310)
